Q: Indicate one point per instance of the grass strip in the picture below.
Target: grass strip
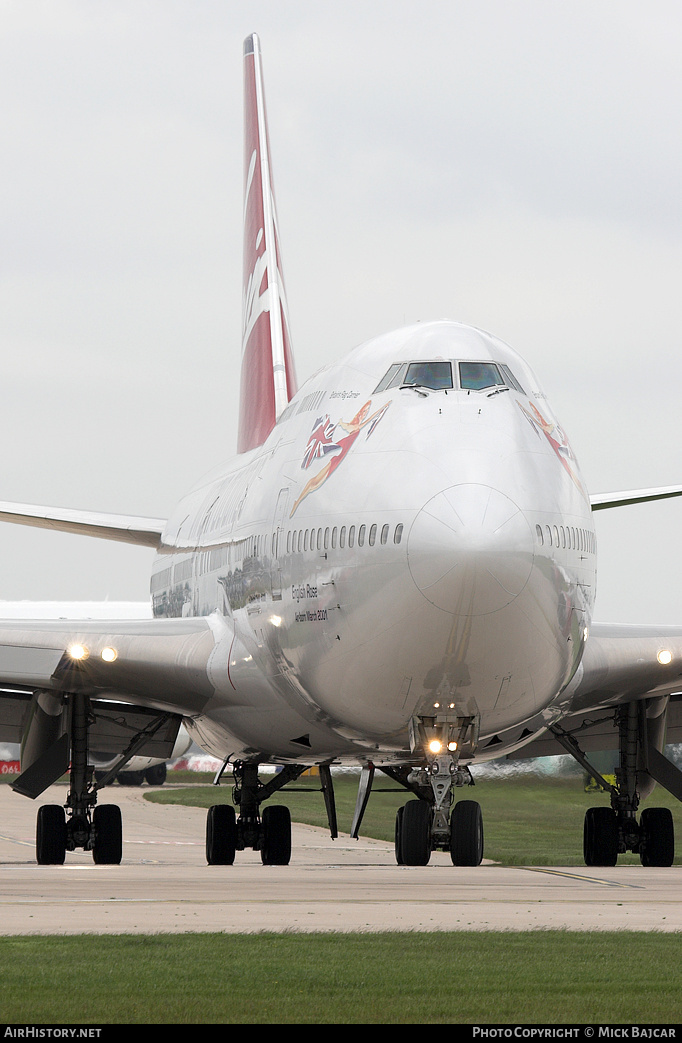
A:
(442, 978)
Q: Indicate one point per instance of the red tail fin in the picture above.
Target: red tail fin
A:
(268, 379)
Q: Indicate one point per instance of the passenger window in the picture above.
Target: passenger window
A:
(477, 376)
(384, 534)
(538, 530)
(326, 539)
(334, 534)
(372, 535)
(342, 537)
(351, 536)
(361, 535)
(398, 534)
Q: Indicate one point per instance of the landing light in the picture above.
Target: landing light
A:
(276, 621)
(435, 746)
(452, 746)
(109, 655)
(78, 652)
(664, 657)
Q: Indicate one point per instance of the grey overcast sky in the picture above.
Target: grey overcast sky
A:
(515, 164)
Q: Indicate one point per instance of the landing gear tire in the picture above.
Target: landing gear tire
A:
(130, 778)
(107, 849)
(398, 836)
(276, 849)
(51, 835)
(466, 834)
(415, 833)
(221, 835)
(657, 837)
(156, 775)
(600, 837)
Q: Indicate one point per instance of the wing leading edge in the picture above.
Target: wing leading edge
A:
(144, 532)
(604, 501)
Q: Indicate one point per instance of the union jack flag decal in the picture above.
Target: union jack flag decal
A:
(320, 441)
(377, 417)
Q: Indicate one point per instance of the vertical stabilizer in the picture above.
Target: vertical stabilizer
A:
(268, 380)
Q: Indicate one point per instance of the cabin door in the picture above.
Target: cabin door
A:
(278, 543)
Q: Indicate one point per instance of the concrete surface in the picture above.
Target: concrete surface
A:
(164, 884)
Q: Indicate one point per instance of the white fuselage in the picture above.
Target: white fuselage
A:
(386, 552)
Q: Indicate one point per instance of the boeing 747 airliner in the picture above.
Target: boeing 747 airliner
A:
(396, 571)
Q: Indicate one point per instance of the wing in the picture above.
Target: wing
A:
(622, 664)
(145, 532)
(160, 663)
(140, 678)
(625, 662)
(603, 501)
(595, 732)
(75, 610)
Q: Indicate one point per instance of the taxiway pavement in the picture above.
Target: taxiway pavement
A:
(164, 885)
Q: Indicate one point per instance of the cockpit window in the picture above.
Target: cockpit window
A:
(434, 375)
(437, 376)
(477, 376)
(511, 379)
(389, 380)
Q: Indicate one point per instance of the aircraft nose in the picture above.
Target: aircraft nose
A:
(470, 550)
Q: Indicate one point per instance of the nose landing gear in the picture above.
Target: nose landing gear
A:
(427, 824)
(422, 826)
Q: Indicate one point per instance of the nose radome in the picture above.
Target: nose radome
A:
(470, 550)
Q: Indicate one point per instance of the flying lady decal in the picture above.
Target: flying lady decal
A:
(327, 438)
(558, 440)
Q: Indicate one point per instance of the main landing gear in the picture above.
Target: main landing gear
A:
(81, 823)
(98, 830)
(269, 833)
(608, 832)
(56, 742)
(154, 776)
